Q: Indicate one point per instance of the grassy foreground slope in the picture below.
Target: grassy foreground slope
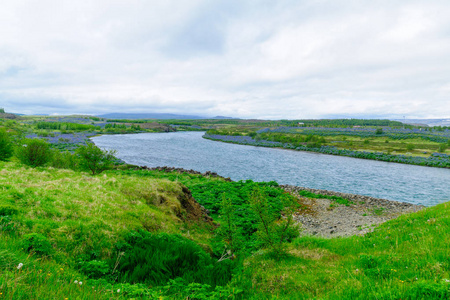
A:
(83, 220)
(72, 221)
(405, 258)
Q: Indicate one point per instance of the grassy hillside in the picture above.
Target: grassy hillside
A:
(67, 227)
(56, 222)
(140, 234)
(406, 258)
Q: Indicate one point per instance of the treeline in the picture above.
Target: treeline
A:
(272, 123)
(348, 122)
(65, 126)
(294, 123)
(128, 121)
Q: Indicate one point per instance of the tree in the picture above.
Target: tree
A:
(94, 159)
(6, 147)
(273, 232)
(2, 110)
(228, 231)
(34, 152)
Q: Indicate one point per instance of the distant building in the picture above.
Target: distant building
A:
(301, 123)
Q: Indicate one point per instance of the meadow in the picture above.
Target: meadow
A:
(129, 233)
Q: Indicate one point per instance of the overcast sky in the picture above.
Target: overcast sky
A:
(250, 59)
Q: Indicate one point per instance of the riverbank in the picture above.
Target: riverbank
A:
(325, 217)
(437, 160)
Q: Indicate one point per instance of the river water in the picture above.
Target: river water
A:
(407, 183)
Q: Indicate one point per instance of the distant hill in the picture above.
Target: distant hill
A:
(156, 116)
(224, 118)
(147, 116)
(429, 122)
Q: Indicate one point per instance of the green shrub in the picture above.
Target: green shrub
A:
(6, 147)
(34, 152)
(95, 268)
(8, 210)
(410, 147)
(37, 243)
(94, 159)
(273, 233)
(239, 193)
(228, 231)
(64, 160)
(7, 224)
(154, 259)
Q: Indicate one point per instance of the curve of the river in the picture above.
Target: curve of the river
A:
(407, 183)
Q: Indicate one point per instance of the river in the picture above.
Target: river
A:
(400, 182)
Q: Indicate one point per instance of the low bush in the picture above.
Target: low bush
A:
(154, 259)
(37, 243)
(64, 160)
(8, 210)
(34, 152)
(6, 146)
(95, 268)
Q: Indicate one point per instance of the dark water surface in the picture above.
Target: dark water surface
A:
(408, 183)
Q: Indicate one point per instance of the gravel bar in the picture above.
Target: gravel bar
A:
(326, 218)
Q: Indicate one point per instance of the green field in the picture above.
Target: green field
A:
(128, 233)
(82, 220)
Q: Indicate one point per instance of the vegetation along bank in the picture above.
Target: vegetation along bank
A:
(314, 143)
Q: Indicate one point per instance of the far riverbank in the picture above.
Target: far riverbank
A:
(436, 160)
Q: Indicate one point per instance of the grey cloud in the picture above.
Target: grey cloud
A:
(274, 59)
(205, 32)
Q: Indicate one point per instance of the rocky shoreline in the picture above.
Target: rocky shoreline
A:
(325, 217)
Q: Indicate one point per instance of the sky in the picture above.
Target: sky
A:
(247, 59)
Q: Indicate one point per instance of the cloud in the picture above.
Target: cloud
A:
(282, 59)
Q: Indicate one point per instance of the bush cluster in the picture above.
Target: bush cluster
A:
(35, 152)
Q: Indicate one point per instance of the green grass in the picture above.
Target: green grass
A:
(87, 222)
(406, 258)
(82, 219)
